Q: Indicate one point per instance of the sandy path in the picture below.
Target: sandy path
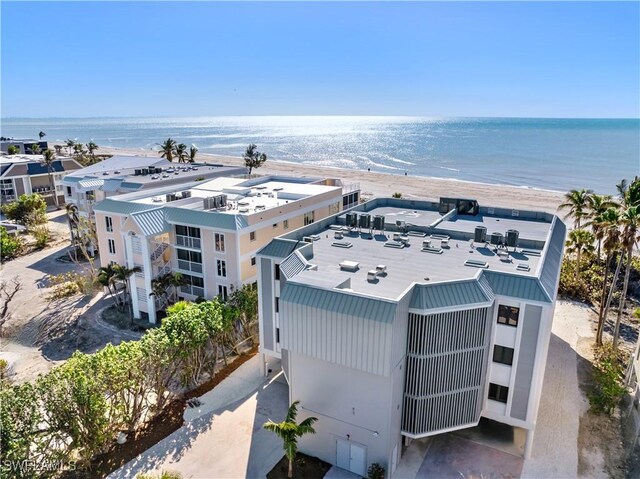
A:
(555, 445)
(384, 184)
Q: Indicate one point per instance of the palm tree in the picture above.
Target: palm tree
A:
(580, 241)
(175, 281)
(630, 220)
(609, 221)
(122, 274)
(181, 153)
(58, 149)
(48, 157)
(253, 158)
(106, 277)
(168, 149)
(577, 202)
(289, 431)
(192, 154)
(78, 152)
(91, 148)
(161, 284)
(597, 205)
(69, 144)
(35, 149)
(42, 134)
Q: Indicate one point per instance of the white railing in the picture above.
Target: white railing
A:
(157, 252)
(189, 266)
(193, 290)
(350, 187)
(188, 241)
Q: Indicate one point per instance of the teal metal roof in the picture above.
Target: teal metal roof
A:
(451, 294)
(517, 286)
(205, 218)
(553, 258)
(293, 265)
(131, 186)
(280, 248)
(151, 222)
(339, 302)
(121, 207)
(90, 183)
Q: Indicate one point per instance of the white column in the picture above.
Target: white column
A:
(528, 445)
(148, 276)
(128, 238)
(26, 182)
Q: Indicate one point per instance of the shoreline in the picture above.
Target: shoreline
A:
(385, 184)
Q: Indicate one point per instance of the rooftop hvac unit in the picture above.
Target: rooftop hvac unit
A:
(378, 222)
(158, 170)
(223, 201)
(352, 220)
(401, 224)
(145, 171)
(480, 234)
(186, 194)
(512, 238)
(496, 238)
(137, 172)
(171, 197)
(365, 221)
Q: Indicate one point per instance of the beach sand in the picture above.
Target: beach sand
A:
(385, 184)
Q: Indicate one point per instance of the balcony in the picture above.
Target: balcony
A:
(189, 266)
(192, 290)
(188, 242)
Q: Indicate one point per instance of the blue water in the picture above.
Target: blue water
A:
(556, 154)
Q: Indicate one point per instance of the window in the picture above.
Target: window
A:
(219, 240)
(498, 393)
(275, 225)
(309, 218)
(112, 246)
(68, 191)
(285, 224)
(252, 236)
(277, 304)
(189, 260)
(6, 188)
(222, 292)
(508, 315)
(276, 271)
(188, 236)
(109, 223)
(350, 200)
(334, 208)
(253, 261)
(194, 285)
(277, 335)
(222, 268)
(503, 355)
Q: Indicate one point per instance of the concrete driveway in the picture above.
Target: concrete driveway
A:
(223, 438)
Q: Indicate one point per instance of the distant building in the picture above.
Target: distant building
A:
(25, 174)
(405, 318)
(208, 230)
(25, 146)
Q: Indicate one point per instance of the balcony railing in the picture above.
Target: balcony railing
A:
(193, 290)
(157, 253)
(188, 241)
(189, 266)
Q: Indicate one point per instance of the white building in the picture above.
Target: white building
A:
(408, 319)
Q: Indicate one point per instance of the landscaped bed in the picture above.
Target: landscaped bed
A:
(167, 422)
(304, 467)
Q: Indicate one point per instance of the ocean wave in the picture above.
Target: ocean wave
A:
(222, 146)
(396, 160)
(448, 168)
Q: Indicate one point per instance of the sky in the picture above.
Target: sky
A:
(539, 59)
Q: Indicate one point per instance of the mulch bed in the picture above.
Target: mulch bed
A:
(167, 422)
(304, 467)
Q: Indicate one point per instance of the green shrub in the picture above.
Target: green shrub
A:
(42, 236)
(396, 195)
(608, 375)
(5, 373)
(27, 210)
(10, 246)
(13, 150)
(376, 471)
(588, 287)
(162, 475)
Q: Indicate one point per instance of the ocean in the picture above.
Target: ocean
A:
(553, 154)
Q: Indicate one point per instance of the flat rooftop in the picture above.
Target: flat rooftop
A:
(345, 263)
(243, 196)
(404, 266)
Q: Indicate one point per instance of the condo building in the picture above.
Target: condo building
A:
(209, 230)
(26, 174)
(406, 319)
